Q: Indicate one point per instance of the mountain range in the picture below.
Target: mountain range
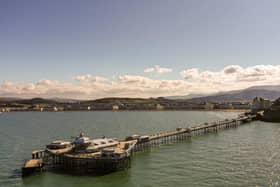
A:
(268, 92)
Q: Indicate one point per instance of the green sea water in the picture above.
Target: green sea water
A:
(243, 156)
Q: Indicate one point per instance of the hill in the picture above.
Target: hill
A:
(267, 92)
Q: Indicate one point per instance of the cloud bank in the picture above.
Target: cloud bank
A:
(192, 81)
(235, 77)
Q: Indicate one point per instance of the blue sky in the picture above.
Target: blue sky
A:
(58, 40)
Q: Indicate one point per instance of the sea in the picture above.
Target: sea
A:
(243, 156)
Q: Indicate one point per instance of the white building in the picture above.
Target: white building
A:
(159, 107)
(260, 104)
(115, 107)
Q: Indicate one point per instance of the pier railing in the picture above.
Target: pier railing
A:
(180, 134)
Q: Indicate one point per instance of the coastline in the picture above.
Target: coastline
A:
(153, 110)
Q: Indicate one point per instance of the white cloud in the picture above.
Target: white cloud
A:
(149, 70)
(194, 81)
(157, 69)
(90, 78)
(190, 73)
(235, 77)
(161, 70)
(90, 87)
(232, 69)
(83, 77)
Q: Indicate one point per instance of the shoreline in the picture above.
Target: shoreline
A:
(169, 110)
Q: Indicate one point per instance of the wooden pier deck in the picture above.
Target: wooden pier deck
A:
(60, 151)
(33, 163)
(148, 141)
(32, 166)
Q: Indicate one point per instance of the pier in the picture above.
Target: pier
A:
(117, 155)
(181, 134)
(35, 164)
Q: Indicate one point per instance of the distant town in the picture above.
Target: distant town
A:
(119, 104)
(253, 98)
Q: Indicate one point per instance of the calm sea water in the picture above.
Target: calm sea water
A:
(244, 156)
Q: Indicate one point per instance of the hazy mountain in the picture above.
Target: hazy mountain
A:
(266, 87)
(190, 96)
(268, 92)
(8, 99)
(35, 101)
(65, 100)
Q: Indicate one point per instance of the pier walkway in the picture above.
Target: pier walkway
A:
(180, 134)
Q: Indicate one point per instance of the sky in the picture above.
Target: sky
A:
(136, 48)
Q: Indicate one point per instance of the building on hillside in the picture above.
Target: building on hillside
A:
(242, 105)
(115, 107)
(159, 107)
(260, 104)
(209, 106)
(224, 106)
